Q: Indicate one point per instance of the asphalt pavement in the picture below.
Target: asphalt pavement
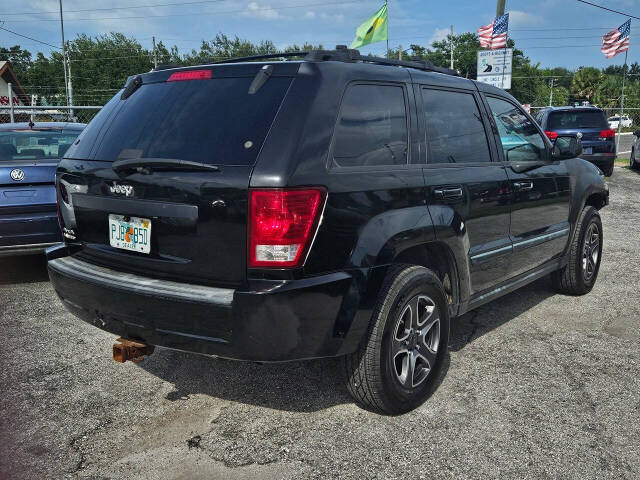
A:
(536, 386)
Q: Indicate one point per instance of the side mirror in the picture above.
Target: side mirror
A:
(637, 133)
(566, 147)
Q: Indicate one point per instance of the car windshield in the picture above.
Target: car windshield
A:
(35, 144)
(577, 119)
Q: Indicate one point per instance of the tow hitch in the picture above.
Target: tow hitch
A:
(129, 350)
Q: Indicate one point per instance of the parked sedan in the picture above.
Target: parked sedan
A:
(635, 148)
(29, 154)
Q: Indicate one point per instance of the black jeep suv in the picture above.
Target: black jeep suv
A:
(338, 205)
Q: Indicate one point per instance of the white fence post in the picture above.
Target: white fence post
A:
(10, 101)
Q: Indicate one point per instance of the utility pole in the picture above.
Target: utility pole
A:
(399, 52)
(155, 56)
(387, 4)
(64, 56)
(624, 77)
(551, 94)
(500, 8)
(70, 84)
(451, 42)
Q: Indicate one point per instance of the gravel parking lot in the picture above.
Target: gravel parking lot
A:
(537, 386)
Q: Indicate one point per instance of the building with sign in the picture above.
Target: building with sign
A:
(7, 76)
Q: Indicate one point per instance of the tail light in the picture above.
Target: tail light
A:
(60, 186)
(190, 75)
(610, 133)
(282, 224)
(551, 135)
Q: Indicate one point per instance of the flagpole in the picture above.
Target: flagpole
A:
(624, 76)
(386, 3)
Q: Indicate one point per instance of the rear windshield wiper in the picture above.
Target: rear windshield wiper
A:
(146, 165)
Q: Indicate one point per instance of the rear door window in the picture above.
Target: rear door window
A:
(212, 121)
(454, 127)
(372, 129)
(577, 119)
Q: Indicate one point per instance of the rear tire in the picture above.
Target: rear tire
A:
(397, 365)
(608, 171)
(579, 275)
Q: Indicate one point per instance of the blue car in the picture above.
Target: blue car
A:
(590, 124)
(29, 154)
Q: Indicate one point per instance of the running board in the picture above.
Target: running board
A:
(513, 284)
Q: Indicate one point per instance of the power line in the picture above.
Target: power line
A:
(244, 10)
(30, 38)
(47, 12)
(609, 9)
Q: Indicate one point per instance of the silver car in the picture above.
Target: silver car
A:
(633, 160)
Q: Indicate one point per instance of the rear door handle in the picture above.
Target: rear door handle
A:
(523, 186)
(452, 193)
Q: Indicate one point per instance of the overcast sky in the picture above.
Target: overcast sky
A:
(552, 32)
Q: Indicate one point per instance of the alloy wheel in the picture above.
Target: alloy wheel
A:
(590, 252)
(415, 340)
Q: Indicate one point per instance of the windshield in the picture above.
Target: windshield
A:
(212, 121)
(34, 144)
(578, 119)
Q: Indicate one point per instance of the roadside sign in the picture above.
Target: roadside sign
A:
(527, 108)
(494, 67)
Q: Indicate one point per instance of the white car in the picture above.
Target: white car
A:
(626, 122)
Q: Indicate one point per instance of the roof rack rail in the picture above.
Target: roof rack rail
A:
(344, 54)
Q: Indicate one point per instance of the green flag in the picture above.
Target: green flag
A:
(373, 29)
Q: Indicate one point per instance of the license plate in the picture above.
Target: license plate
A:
(130, 233)
(587, 150)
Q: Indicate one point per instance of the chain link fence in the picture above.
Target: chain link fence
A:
(80, 114)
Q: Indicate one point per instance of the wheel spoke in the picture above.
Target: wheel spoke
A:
(415, 312)
(424, 313)
(427, 354)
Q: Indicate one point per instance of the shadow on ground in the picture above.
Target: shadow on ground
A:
(23, 269)
(318, 384)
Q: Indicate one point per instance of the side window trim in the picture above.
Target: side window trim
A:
(409, 125)
(488, 130)
(496, 135)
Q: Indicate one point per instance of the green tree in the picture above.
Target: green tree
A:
(20, 59)
(585, 83)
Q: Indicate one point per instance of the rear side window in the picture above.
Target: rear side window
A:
(210, 121)
(372, 129)
(454, 127)
(577, 119)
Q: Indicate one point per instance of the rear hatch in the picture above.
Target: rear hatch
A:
(591, 123)
(167, 163)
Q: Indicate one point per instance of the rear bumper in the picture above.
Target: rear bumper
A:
(601, 160)
(27, 249)
(27, 231)
(270, 321)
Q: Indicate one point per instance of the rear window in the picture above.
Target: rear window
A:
(35, 144)
(210, 121)
(579, 119)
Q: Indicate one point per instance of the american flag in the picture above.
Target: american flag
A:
(616, 41)
(494, 35)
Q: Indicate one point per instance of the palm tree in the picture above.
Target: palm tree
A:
(585, 83)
